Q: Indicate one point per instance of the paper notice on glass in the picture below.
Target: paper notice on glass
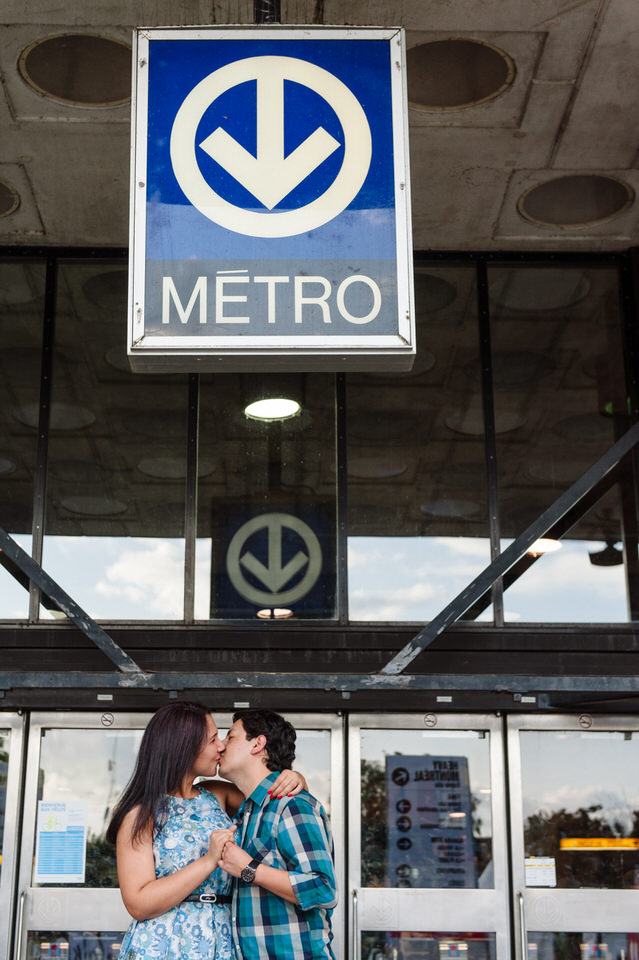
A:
(61, 842)
(540, 872)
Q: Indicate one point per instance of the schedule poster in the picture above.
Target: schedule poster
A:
(429, 821)
(61, 842)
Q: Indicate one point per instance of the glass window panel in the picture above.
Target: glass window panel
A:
(580, 578)
(266, 500)
(117, 459)
(5, 736)
(559, 377)
(426, 809)
(581, 805)
(21, 314)
(427, 946)
(73, 945)
(417, 516)
(313, 759)
(101, 761)
(582, 946)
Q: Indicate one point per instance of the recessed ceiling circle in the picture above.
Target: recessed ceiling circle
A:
(94, 506)
(81, 69)
(9, 199)
(456, 72)
(576, 200)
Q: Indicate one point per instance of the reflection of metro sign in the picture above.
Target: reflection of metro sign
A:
(274, 560)
(270, 200)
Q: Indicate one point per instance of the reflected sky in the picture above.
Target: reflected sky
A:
(572, 769)
(390, 579)
(414, 578)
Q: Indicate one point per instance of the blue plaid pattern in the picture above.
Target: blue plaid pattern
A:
(291, 834)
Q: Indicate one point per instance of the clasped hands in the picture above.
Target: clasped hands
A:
(226, 853)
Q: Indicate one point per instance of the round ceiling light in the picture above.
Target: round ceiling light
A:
(471, 422)
(375, 468)
(272, 408)
(94, 506)
(455, 73)
(451, 509)
(432, 293)
(172, 468)
(63, 416)
(108, 291)
(578, 200)
(585, 428)
(80, 69)
(536, 289)
(543, 545)
(9, 199)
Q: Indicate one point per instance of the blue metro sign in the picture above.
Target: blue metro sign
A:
(270, 200)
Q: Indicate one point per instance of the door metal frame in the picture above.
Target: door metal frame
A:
(480, 910)
(587, 910)
(15, 724)
(76, 907)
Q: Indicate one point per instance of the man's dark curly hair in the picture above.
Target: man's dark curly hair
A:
(280, 736)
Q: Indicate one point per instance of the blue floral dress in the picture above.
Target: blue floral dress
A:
(189, 931)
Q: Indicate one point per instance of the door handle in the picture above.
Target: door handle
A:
(20, 926)
(356, 936)
(522, 926)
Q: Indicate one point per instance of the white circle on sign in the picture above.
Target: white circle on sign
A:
(270, 73)
(274, 575)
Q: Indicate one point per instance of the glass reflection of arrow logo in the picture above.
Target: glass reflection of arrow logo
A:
(270, 176)
(274, 576)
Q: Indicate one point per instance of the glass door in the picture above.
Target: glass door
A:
(574, 788)
(11, 734)
(77, 766)
(427, 854)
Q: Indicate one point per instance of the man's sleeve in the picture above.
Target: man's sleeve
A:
(304, 841)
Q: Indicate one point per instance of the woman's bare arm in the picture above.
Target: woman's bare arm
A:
(289, 783)
(144, 895)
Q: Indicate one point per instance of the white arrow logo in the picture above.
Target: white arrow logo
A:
(274, 574)
(270, 176)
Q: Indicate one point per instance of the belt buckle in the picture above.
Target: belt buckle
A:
(208, 898)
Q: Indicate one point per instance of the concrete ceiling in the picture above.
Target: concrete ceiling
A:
(569, 110)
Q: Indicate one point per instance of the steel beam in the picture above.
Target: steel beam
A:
(329, 682)
(512, 554)
(66, 604)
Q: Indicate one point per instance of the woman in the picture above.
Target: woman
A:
(169, 835)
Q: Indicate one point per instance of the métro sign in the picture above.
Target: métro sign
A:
(270, 224)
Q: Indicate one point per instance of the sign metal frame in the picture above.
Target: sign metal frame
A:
(153, 353)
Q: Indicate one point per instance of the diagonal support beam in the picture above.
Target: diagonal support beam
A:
(66, 604)
(512, 554)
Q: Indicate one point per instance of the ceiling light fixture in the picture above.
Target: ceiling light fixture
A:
(610, 556)
(272, 408)
(543, 545)
(278, 613)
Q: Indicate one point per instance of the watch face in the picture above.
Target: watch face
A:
(248, 875)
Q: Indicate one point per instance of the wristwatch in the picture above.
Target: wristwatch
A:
(248, 873)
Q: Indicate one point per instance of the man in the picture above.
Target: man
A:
(283, 861)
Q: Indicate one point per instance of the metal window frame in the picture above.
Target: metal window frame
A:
(504, 567)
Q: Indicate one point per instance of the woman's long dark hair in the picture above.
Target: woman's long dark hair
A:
(171, 742)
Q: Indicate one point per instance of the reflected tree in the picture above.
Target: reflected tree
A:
(608, 868)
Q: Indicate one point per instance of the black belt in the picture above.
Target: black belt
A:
(209, 898)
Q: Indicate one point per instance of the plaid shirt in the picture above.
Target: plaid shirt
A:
(291, 834)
